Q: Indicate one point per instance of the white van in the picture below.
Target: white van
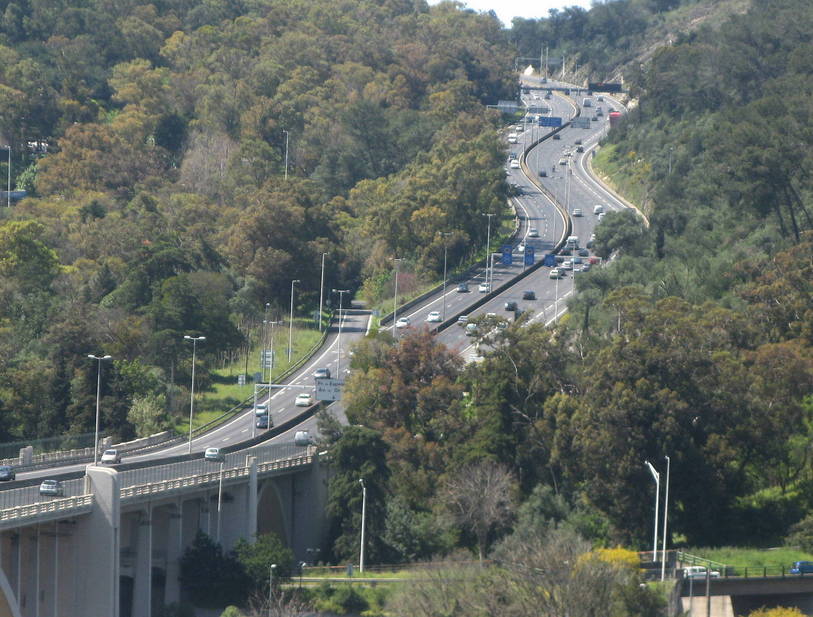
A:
(572, 242)
(512, 138)
(598, 209)
(587, 102)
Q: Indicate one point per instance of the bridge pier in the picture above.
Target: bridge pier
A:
(98, 534)
(174, 546)
(142, 566)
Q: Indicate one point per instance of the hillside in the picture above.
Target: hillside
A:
(186, 161)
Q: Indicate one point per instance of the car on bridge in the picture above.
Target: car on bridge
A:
(263, 422)
(699, 572)
(321, 373)
(403, 322)
(7, 473)
(462, 288)
(434, 317)
(484, 288)
(215, 455)
(51, 488)
(514, 164)
(111, 457)
(802, 567)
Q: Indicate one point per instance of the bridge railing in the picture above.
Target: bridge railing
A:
(45, 507)
(27, 495)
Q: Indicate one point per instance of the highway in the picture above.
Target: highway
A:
(570, 184)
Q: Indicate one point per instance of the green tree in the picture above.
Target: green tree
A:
(257, 557)
(211, 577)
(359, 454)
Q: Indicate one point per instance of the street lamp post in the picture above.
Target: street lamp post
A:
(488, 246)
(657, 477)
(219, 500)
(194, 340)
(286, 153)
(321, 291)
(341, 293)
(98, 392)
(271, 349)
(397, 261)
(665, 512)
(265, 338)
(443, 235)
(291, 322)
(363, 518)
(271, 587)
(8, 185)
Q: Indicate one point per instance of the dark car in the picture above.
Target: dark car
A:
(584, 252)
(528, 294)
(262, 422)
(7, 473)
(463, 288)
(510, 306)
(543, 173)
(802, 567)
(580, 148)
(557, 136)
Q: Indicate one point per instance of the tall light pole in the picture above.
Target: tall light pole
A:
(397, 261)
(291, 322)
(286, 153)
(321, 291)
(8, 185)
(665, 512)
(194, 340)
(271, 349)
(444, 235)
(271, 587)
(98, 392)
(657, 477)
(265, 338)
(488, 246)
(363, 519)
(341, 293)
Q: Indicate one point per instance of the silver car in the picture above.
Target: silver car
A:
(51, 488)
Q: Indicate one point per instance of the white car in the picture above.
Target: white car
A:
(555, 273)
(434, 317)
(514, 164)
(577, 212)
(699, 572)
(566, 265)
(521, 248)
(402, 322)
(533, 232)
(598, 209)
(304, 399)
(600, 216)
(214, 455)
(111, 457)
(484, 288)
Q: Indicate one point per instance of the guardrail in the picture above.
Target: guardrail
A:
(204, 478)
(36, 510)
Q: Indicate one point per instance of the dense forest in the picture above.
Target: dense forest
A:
(185, 161)
(696, 343)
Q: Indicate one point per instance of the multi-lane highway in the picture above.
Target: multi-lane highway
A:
(541, 225)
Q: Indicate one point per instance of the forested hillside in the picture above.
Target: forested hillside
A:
(696, 343)
(152, 139)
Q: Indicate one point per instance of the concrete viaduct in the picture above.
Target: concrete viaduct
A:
(111, 547)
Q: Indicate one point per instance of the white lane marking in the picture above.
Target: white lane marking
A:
(245, 430)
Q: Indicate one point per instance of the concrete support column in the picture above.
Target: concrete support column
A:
(251, 505)
(175, 546)
(142, 590)
(98, 533)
